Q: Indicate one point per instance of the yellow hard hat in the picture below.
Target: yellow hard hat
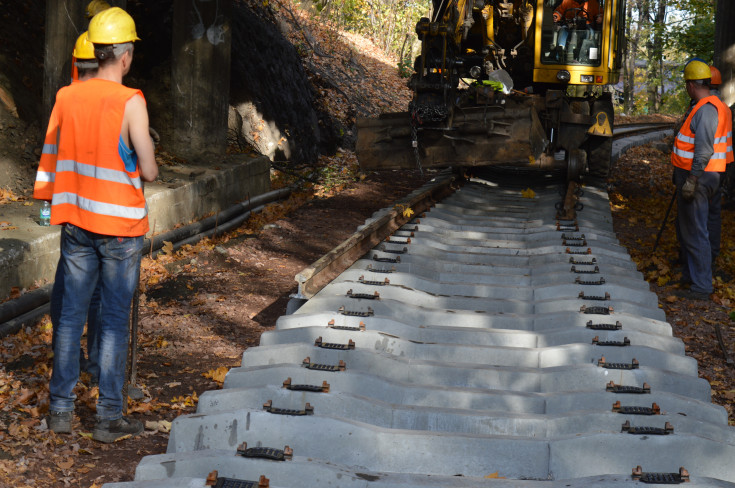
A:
(112, 26)
(83, 49)
(697, 70)
(96, 6)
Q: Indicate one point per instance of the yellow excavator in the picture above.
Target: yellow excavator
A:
(522, 84)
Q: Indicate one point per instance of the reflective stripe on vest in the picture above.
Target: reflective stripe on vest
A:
(90, 185)
(43, 188)
(101, 208)
(682, 154)
(98, 173)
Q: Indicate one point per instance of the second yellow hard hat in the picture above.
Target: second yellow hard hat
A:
(83, 49)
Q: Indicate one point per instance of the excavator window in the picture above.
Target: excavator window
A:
(571, 32)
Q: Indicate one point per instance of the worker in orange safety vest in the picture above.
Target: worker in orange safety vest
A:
(97, 152)
(700, 153)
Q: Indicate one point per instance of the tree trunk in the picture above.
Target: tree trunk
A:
(724, 57)
(658, 52)
(630, 59)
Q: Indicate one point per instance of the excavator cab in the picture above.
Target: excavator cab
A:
(579, 37)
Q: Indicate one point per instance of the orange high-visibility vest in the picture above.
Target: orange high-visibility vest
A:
(74, 69)
(81, 170)
(682, 155)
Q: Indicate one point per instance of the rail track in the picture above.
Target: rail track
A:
(484, 342)
(628, 130)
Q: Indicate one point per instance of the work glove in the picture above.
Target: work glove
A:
(154, 136)
(689, 188)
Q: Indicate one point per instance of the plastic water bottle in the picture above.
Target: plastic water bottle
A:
(45, 214)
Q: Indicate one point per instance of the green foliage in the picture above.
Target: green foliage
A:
(694, 36)
(688, 32)
(385, 21)
(405, 68)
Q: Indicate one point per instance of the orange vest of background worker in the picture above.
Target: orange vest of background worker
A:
(89, 183)
(682, 155)
(572, 9)
(715, 83)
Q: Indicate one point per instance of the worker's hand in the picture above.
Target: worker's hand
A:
(154, 136)
(689, 188)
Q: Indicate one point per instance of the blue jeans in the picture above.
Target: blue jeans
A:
(112, 264)
(694, 238)
(90, 363)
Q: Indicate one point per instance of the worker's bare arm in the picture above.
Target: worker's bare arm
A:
(136, 120)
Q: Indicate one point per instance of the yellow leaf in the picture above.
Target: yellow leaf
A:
(662, 280)
(528, 193)
(217, 375)
(494, 476)
(168, 247)
(408, 212)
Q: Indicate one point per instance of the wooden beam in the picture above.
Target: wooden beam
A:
(65, 20)
(200, 80)
(724, 57)
(329, 266)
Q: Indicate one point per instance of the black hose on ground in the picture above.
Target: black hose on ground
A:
(28, 301)
(26, 309)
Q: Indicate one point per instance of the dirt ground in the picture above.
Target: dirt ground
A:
(202, 307)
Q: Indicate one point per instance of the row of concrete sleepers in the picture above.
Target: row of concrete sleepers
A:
(485, 343)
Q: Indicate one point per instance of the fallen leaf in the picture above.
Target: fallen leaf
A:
(217, 375)
(158, 425)
(168, 248)
(65, 464)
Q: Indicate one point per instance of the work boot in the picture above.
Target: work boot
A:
(108, 431)
(60, 422)
(692, 295)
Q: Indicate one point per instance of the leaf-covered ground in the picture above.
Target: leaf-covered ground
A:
(641, 192)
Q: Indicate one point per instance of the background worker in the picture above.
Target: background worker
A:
(86, 68)
(700, 153)
(714, 221)
(93, 8)
(103, 153)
